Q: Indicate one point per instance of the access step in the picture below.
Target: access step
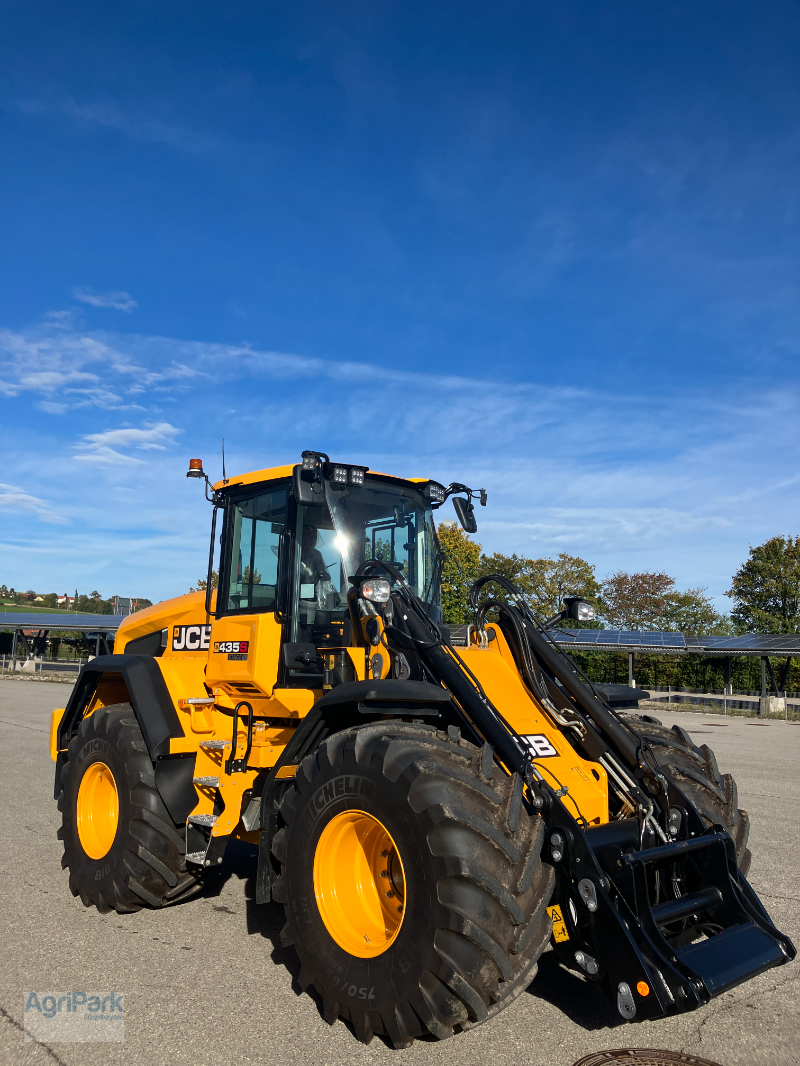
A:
(208, 782)
(202, 819)
(215, 744)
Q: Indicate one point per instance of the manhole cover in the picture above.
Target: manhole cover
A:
(643, 1057)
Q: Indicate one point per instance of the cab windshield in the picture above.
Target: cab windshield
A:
(376, 520)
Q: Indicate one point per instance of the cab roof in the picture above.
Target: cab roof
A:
(274, 473)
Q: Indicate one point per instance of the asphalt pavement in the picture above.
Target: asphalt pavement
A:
(208, 981)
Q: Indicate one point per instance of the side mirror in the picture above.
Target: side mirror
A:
(466, 514)
(307, 485)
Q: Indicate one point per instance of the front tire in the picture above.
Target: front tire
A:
(121, 847)
(464, 898)
(696, 773)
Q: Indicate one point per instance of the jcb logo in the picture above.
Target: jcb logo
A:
(191, 638)
(539, 745)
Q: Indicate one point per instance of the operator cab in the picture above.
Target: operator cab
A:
(291, 545)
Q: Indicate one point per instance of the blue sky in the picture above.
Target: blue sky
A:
(549, 249)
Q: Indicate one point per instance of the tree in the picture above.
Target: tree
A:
(692, 612)
(95, 595)
(650, 601)
(202, 582)
(460, 568)
(89, 605)
(551, 580)
(636, 601)
(545, 582)
(766, 589)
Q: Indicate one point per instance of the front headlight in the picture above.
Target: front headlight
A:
(376, 590)
(579, 609)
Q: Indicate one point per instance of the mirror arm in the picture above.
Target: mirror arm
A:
(472, 494)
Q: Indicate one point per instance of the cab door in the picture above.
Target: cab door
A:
(244, 652)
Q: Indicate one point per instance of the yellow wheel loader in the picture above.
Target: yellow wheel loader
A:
(430, 816)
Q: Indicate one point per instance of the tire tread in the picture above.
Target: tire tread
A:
(493, 885)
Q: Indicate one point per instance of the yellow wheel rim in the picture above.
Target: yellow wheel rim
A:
(98, 810)
(360, 884)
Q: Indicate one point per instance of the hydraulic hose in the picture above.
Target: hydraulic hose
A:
(469, 695)
(426, 638)
(617, 733)
(622, 739)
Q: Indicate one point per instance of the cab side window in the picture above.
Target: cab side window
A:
(253, 564)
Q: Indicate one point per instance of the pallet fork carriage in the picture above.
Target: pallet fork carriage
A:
(430, 817)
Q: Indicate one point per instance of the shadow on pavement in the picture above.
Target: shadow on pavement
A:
(582, 1001)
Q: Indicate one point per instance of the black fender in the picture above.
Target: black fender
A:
(149, 696)
(387, 696)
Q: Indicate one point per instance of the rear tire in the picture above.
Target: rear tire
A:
(142, 862)
(696, 773)
(475, 889)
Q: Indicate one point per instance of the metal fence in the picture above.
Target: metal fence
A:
(748, 702)
(42, 666)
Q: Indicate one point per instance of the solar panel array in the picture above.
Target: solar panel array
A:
(758, 643)
(31, 620)
(747, 644)
(777, 644)
(616, 638)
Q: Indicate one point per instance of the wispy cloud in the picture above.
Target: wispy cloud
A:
(121, 301)
(103, 447)
(110, 114)
(684, 485)
(74, 369)
(13, 498)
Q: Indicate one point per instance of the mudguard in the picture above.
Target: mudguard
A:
(149, 698)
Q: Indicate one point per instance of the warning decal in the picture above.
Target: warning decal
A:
(559, 925)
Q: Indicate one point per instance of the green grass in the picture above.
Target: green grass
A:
(15, 608)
